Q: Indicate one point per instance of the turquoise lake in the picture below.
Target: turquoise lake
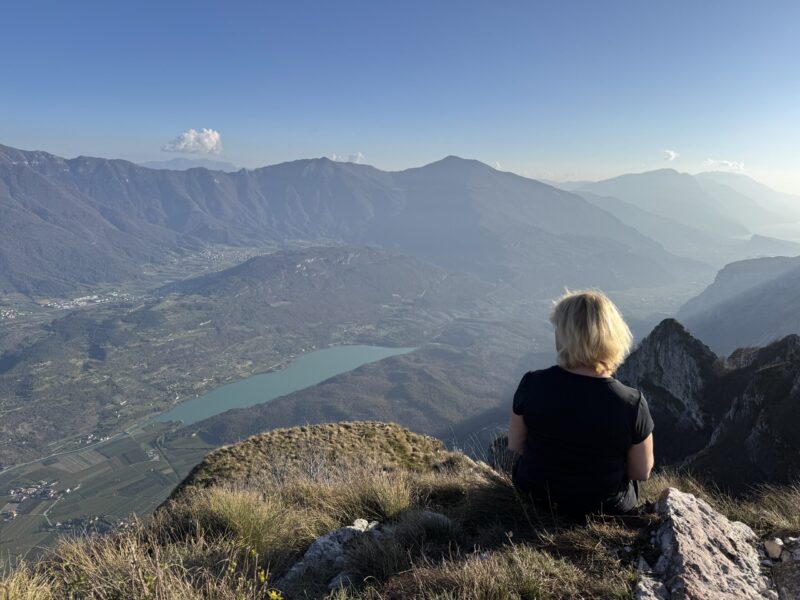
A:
(306, 370)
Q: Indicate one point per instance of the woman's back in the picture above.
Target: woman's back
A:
(579, 431)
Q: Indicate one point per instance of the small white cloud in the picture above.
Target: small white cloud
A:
(498, 166)
(723, 165)
(205, 141)
(670, 155)
(357, 158)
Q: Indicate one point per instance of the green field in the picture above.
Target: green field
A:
(131, 473)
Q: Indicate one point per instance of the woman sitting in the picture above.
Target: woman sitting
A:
(584, 438)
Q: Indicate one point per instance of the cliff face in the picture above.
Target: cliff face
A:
(672, 368)
(733, 420)
(756, 438)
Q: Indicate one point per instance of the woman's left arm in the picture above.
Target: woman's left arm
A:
(640, 460)
(517, 432)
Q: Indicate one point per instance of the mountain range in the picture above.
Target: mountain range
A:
(70, 224)
(714, 217)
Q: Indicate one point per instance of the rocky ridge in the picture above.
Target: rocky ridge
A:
(732, 420)
(672, 369)
(697, 554)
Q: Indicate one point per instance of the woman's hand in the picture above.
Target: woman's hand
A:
(640, 459)
(517, 432)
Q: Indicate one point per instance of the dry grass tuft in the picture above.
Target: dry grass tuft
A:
(133, 564)
(24, 584)
(267, 527)
(347, 495)
(516, 572)
(768, 509)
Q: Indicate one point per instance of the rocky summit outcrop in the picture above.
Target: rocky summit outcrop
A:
(701, 555)
(672, 368)
(731, 420)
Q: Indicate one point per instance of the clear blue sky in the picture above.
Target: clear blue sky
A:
(558, 89)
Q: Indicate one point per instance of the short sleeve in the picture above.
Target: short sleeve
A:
(643, 425)
(522, 393)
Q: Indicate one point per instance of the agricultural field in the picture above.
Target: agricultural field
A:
(91, 489)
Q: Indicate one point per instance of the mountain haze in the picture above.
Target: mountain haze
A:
(696, 216)
(773, 201)
(680, 197)
(457, 213)
(750, 303)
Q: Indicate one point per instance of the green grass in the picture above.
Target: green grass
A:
(387, 445)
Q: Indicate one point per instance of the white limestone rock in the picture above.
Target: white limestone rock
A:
(704, 556)
(774, 548)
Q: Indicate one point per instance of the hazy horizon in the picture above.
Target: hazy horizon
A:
(554, 92)
(217, 162)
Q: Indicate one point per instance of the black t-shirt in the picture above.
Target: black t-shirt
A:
(580, 429)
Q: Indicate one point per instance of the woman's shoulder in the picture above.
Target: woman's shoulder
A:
(626, 393)
(538, 375)
(537, 381)
(532, 384)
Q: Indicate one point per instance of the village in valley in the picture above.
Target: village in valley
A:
(17, 496)
(20, 497)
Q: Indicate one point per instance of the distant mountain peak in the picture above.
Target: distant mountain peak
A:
(664, 171)
(781, 351)
(184, 164)
(671, 367)
(670, 326)
(454, 165)
(671, 334)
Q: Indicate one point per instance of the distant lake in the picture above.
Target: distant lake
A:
(306, 370)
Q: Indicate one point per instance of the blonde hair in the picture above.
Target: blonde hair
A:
(590, 331)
